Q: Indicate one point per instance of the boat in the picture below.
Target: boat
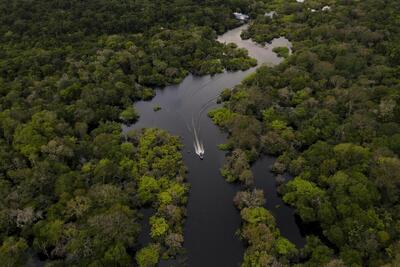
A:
(197, 144)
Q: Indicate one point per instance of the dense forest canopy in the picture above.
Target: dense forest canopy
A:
(35, 19)
(71, 185)
(331, 113)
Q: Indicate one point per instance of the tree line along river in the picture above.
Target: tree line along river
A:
(212, 219)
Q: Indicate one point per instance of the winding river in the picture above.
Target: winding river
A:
(212, 219)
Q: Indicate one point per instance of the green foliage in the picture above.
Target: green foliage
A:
(129, 115)
(156, 108)
(148, 256)
(90, 216)
(284, 247)
(224, 147)
(318, 253)
(281, 51)
(255, 259)
(147, 189)
(14, 252)
(329, 113)
(221, 116)
(350, 155)
(47, 233)
(70, 72)
(255, 215)
(29, 138)
(258, 230)
(387, 175)
(165, 198)
(159, 227)
(117, 256)
(237, 167)
(306, 196)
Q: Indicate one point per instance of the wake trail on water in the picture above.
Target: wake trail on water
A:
(205, 85)
(196, 123)
(197, 144)
(203, 108)
(195, 128)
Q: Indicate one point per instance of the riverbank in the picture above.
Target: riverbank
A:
(212, 220)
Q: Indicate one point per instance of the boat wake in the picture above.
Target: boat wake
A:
(196, 123)
(197, 144)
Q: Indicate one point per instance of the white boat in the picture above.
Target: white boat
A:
(198, 145)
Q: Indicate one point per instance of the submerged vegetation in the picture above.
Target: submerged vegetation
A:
(156, 108)
(330, 112)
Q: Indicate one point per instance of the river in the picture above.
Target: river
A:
(212, 219)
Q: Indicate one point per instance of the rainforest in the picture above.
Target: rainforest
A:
(218, 133)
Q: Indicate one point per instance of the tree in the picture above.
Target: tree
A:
(305, 196)
(159, 227)
(257, 215)
(117, 256)
(237, 168)
(14, 252)
(387, 177)
(129, 115)
(284, 247)
(351, 155)
(48, 234)
(148, 256)
(148, 188)
(281, 51)
(29, 138)
(246, 199)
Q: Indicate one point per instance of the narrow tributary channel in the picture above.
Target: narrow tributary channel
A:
(212, 220)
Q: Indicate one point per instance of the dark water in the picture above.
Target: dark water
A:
(212, 220)
(284, 215)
